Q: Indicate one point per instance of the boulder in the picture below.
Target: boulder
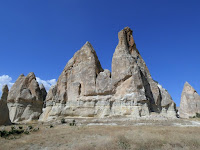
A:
(25, 99)
(4, 112)
(190, 102)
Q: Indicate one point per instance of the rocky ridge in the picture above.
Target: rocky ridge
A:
(84, 89)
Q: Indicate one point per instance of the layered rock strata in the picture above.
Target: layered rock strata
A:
(25, 99)
(4, 112)
(84, 89)
(190, 102)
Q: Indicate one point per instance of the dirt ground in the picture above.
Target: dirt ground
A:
(93, 134)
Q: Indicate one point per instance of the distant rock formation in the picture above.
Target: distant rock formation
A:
(25, 99)
(4, 112)
(84, 89)
(190, 102)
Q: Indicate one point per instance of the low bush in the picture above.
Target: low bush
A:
(63, 120)
(73, 123)
(30, 127)
(15, 132)
(197, 115)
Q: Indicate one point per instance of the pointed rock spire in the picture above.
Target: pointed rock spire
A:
(25, 99)
(5, 91)
(190, 102)
(4, 112)
(123, 63)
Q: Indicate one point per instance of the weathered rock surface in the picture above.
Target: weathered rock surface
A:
(25, 99)
(84, 89)
(190, 102)
(4, 112)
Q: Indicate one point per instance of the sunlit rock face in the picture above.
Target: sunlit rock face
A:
(84, 89)
(25, 99)
(4, 112)
(190, 102)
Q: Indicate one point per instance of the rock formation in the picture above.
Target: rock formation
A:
(44, 94)
(4, 112)
(84, 89)
(190, 102)
(25, 99)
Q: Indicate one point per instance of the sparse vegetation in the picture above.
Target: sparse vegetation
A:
(197, 115)
(159, 135)
(63, 120)
(30, 127)
(73, 123)
(15, 132)
(123, 143)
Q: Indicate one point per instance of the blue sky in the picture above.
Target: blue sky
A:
(41, 36)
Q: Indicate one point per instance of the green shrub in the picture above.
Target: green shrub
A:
(26, 132)
(63, 120)
(73, 123)
(15, 132)
(4, 133)
(197, 115)
(35, 129)
(30, 127)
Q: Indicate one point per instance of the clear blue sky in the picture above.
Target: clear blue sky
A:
(41, 36)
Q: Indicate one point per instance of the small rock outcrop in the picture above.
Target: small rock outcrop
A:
(4, 112)
(84, 89)
(190, 102)
(25, 99)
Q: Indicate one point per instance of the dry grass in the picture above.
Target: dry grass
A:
(64, 137)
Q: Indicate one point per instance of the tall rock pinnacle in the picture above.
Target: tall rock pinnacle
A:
(190, 102)
(4, 112)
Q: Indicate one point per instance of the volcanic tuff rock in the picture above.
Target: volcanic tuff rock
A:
(4, 112)
(44, 94)
(25, 99)
(190, 102)
(85, 89)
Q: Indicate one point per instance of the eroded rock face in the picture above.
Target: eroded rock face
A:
(4, 112)
(85, 89)
(190, 102)
(127, 63)
(25, 99)
(44, 94)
